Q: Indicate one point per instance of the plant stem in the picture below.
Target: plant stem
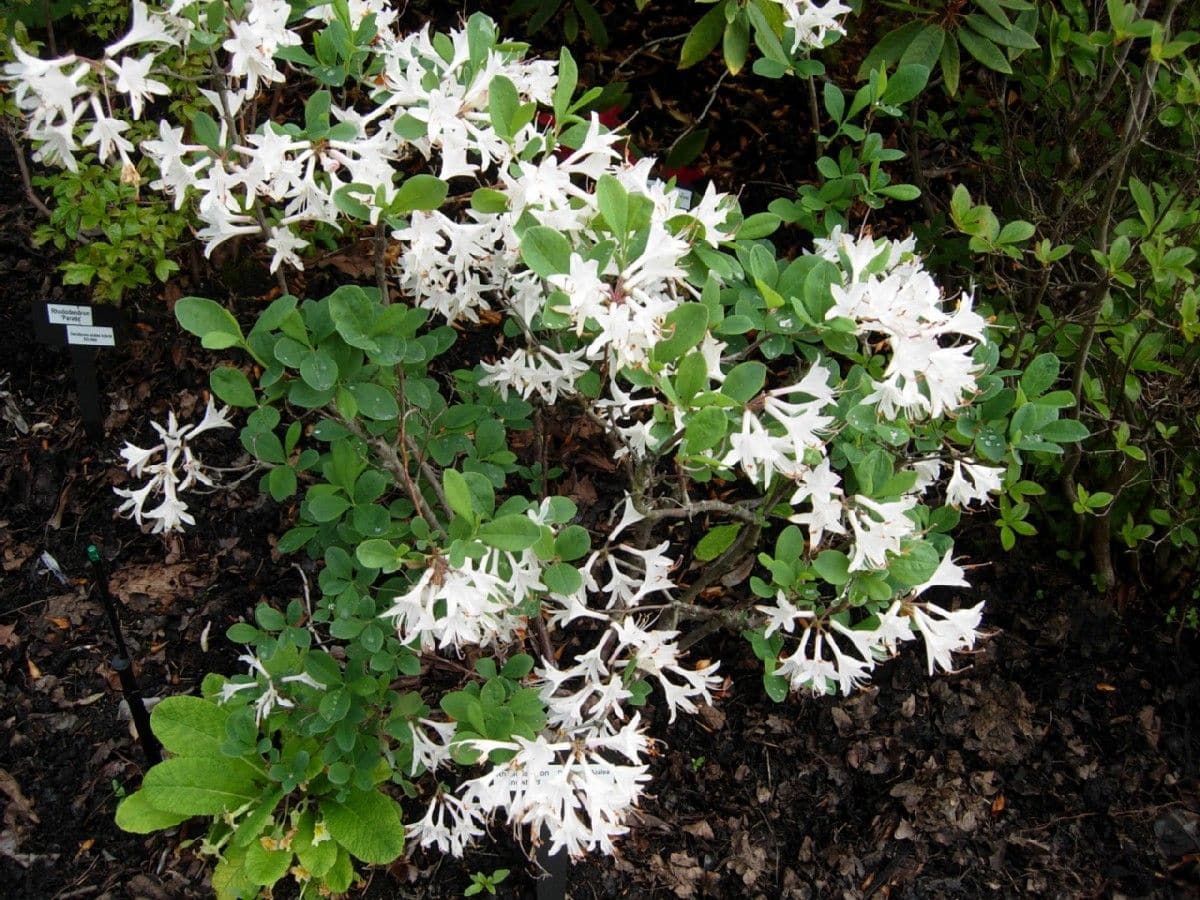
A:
(23, 168)
(381, 261)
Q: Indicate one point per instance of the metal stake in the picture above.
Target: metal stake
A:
(122, 664)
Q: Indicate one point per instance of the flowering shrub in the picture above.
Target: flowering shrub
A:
(175, 449)
(474, 642)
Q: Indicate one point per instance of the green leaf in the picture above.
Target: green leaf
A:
(925, 48)
(951, 66)
(421, 192)
(833, 566)
(319, 370)
(489, 200)
(316, 114)
(327, 507)
(212, 323)
(717, 541)
(375, 402)
(317, 858)
(189, 726)
(353, 314)
(368, 824)
(281, 482)
(835, 101)
(458, 494)
(759, 225)
(206, 130)
(568, 79)
(1064, 431)
(916, 564)
(705, 429)
(518, 666)
(902, 192)
(232, 387)
(613, 202)
(1016, 232)
(984, 51)
(573, 542)
(691, 377)
(1040, 375)
(377, 553)
(685, 326)
(198, 786)
(905, 83)
(503, 105)
(136, 815)
(295, 538)
(545, 251)
(335, 705)
(513, 533)
(744, 381)
(889, 49)
(776, 687)
(703, 37)
(736, 43)
(562, 578)
(265, 867)
(1005, 37)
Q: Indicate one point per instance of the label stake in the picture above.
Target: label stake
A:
(122, 664)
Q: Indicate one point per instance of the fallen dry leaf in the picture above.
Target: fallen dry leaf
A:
(19, 806)
(157, 583)
(700, 829)
(15, 556)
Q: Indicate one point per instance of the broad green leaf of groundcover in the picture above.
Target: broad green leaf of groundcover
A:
(211, 322)
(368, 824)
(189, 726)
(198, 786)
(136, 815)
(265, 867)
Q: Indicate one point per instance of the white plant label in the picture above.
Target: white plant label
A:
(84, 336)
(66, 314)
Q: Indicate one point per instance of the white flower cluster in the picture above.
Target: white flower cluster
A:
(260, 680)
(888, 292)
(566, 786)
(812, 23)
(173, 468)
(569, 792)
(600, 678)
(831, 658)
(57, 96)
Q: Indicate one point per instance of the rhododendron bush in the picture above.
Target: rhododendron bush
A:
(793, 439)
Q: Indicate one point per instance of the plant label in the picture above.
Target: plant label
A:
(82, 329)
(84, 336)
(67, 314)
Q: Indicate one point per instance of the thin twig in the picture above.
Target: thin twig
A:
(26, 180)
(695, 507)
(381, 261)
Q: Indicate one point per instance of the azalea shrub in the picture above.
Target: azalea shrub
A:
(1095, 268)
(791, 440)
